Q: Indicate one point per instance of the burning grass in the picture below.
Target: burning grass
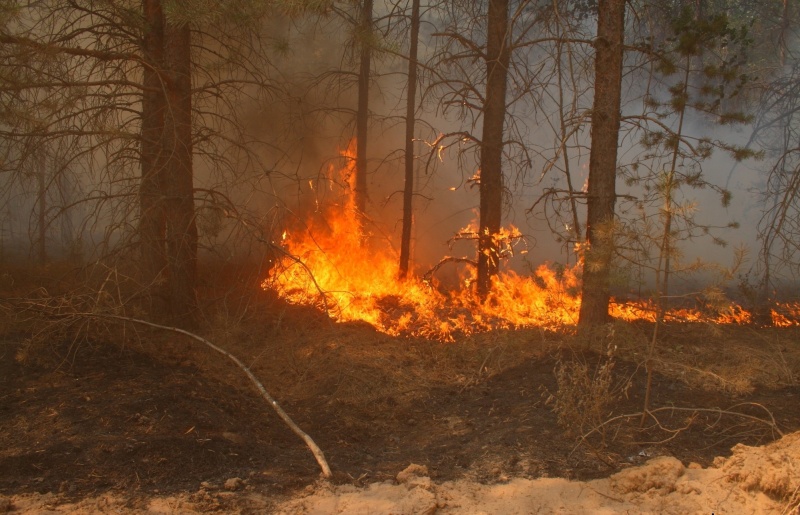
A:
(332, 265)
(337, 271)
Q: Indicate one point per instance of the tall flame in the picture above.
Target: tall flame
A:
(333, 266)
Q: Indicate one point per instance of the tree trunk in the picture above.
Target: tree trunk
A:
(563, 125)
(42, 205)
(152, 224)
(411, 104)
(362, 115)
(498, 55)
(178, 181)
(167, 225)
(603, 163)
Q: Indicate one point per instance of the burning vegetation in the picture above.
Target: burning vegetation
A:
(331, 264)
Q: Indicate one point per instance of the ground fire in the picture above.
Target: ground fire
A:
(331, 265)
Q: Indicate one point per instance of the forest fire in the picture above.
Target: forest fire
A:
(334, 267)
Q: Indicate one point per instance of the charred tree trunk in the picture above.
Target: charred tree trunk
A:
(603, 163)
(411, 104)
(152, 224)
(178, 181)
(362, 115)
(498, 55)
(167, 230)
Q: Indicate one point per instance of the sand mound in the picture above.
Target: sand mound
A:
(773, 469)
(659, 473)
(753, 480)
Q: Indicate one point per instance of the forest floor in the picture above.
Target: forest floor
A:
(162, 424)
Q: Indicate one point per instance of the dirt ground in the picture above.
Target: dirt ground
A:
(143, 421)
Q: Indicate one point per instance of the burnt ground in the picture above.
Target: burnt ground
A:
(160, 414)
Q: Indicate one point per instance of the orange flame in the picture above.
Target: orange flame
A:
(786, 314)
(336, 269)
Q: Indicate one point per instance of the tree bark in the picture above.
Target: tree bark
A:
(178, 181)
(601, 196)
(167, 229)
(152, 224)
(498, 55)
(411, 109)
(362, 115)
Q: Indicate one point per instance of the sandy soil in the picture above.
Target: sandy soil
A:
(752, 480)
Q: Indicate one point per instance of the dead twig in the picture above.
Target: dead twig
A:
(793, 505)
(448, 259)
(315, 450)
(694, 411)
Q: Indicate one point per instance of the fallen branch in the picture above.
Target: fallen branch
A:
(315, 450)
(449, 259)
(651, 413)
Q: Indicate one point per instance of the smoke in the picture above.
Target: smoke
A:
(311, 135)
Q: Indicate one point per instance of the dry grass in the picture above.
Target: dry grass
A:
(729, 358)
(300, 354)
(734, 359)
(353, 363)
(586, 394)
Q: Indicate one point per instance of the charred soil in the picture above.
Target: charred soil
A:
(160, 414)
